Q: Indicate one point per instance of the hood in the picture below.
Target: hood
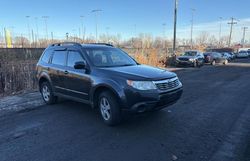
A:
(139, 72)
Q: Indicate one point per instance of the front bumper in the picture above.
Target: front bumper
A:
(152, 101)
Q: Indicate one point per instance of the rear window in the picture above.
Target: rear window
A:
(59, 57)
(46, 56)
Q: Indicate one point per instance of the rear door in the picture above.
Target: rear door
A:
(57, 69)
(77, 81)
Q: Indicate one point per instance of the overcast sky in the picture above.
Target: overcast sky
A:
(126, 17)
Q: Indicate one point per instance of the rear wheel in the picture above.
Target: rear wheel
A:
(109, 108)
(47, 93)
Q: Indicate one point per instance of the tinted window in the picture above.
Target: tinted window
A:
(46, 56)
(74, 57)
(59, 57)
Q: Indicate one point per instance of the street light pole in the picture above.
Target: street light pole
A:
(192, 27)
(37, 32)
(28, 26)
(96, 21)
(220, 31)
(164, 36)
(46, 26)
(175, 23)
(83, 32)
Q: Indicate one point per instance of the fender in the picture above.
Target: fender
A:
(109, 84)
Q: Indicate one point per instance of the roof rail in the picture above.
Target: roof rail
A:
(66, 43)
(106, 44)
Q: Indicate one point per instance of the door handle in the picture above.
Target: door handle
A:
(66, 72)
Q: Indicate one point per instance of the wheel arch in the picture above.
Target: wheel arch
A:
(100, 88)
(44, 77)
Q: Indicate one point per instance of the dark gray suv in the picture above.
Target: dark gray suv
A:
(104, 77)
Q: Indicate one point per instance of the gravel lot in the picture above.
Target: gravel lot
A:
(210, 122)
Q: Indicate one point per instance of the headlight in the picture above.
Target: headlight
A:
(191, 59)
(141, 85)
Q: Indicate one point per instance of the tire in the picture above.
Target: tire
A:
(109, 108)
(47, 93)
(226, 62)
(195, 64)
(213, 62)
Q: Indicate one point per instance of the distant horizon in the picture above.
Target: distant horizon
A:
(129, 18)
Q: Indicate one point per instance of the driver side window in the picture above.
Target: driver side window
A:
(73, 57)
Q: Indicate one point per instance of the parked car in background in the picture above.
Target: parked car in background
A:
(248, 51)
(242, 54)
(215, 57)
(227, 56)
(233, 56)
(106, 78)
(191, 58)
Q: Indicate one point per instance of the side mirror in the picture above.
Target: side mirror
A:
(80, 65)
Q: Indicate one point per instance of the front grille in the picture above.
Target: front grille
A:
(167, 84)
(184, 59)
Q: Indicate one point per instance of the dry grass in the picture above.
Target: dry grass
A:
(149, 58)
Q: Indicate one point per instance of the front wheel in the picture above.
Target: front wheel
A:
(213, 62)
(47, 93)
(226, 62)
(195, 64)
(109, 108)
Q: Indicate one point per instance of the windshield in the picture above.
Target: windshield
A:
(109, 57)
(190, 53)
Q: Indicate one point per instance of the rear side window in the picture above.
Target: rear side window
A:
(59, 57)
(46, 56)
(73, 57)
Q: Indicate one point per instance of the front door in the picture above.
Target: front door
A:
(77, 82)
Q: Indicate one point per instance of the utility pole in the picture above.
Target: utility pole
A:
(192, 27)
(96, 22)
(46, 26)
(233, 22)
(244, 35)
(175, 23)
(220, 31)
